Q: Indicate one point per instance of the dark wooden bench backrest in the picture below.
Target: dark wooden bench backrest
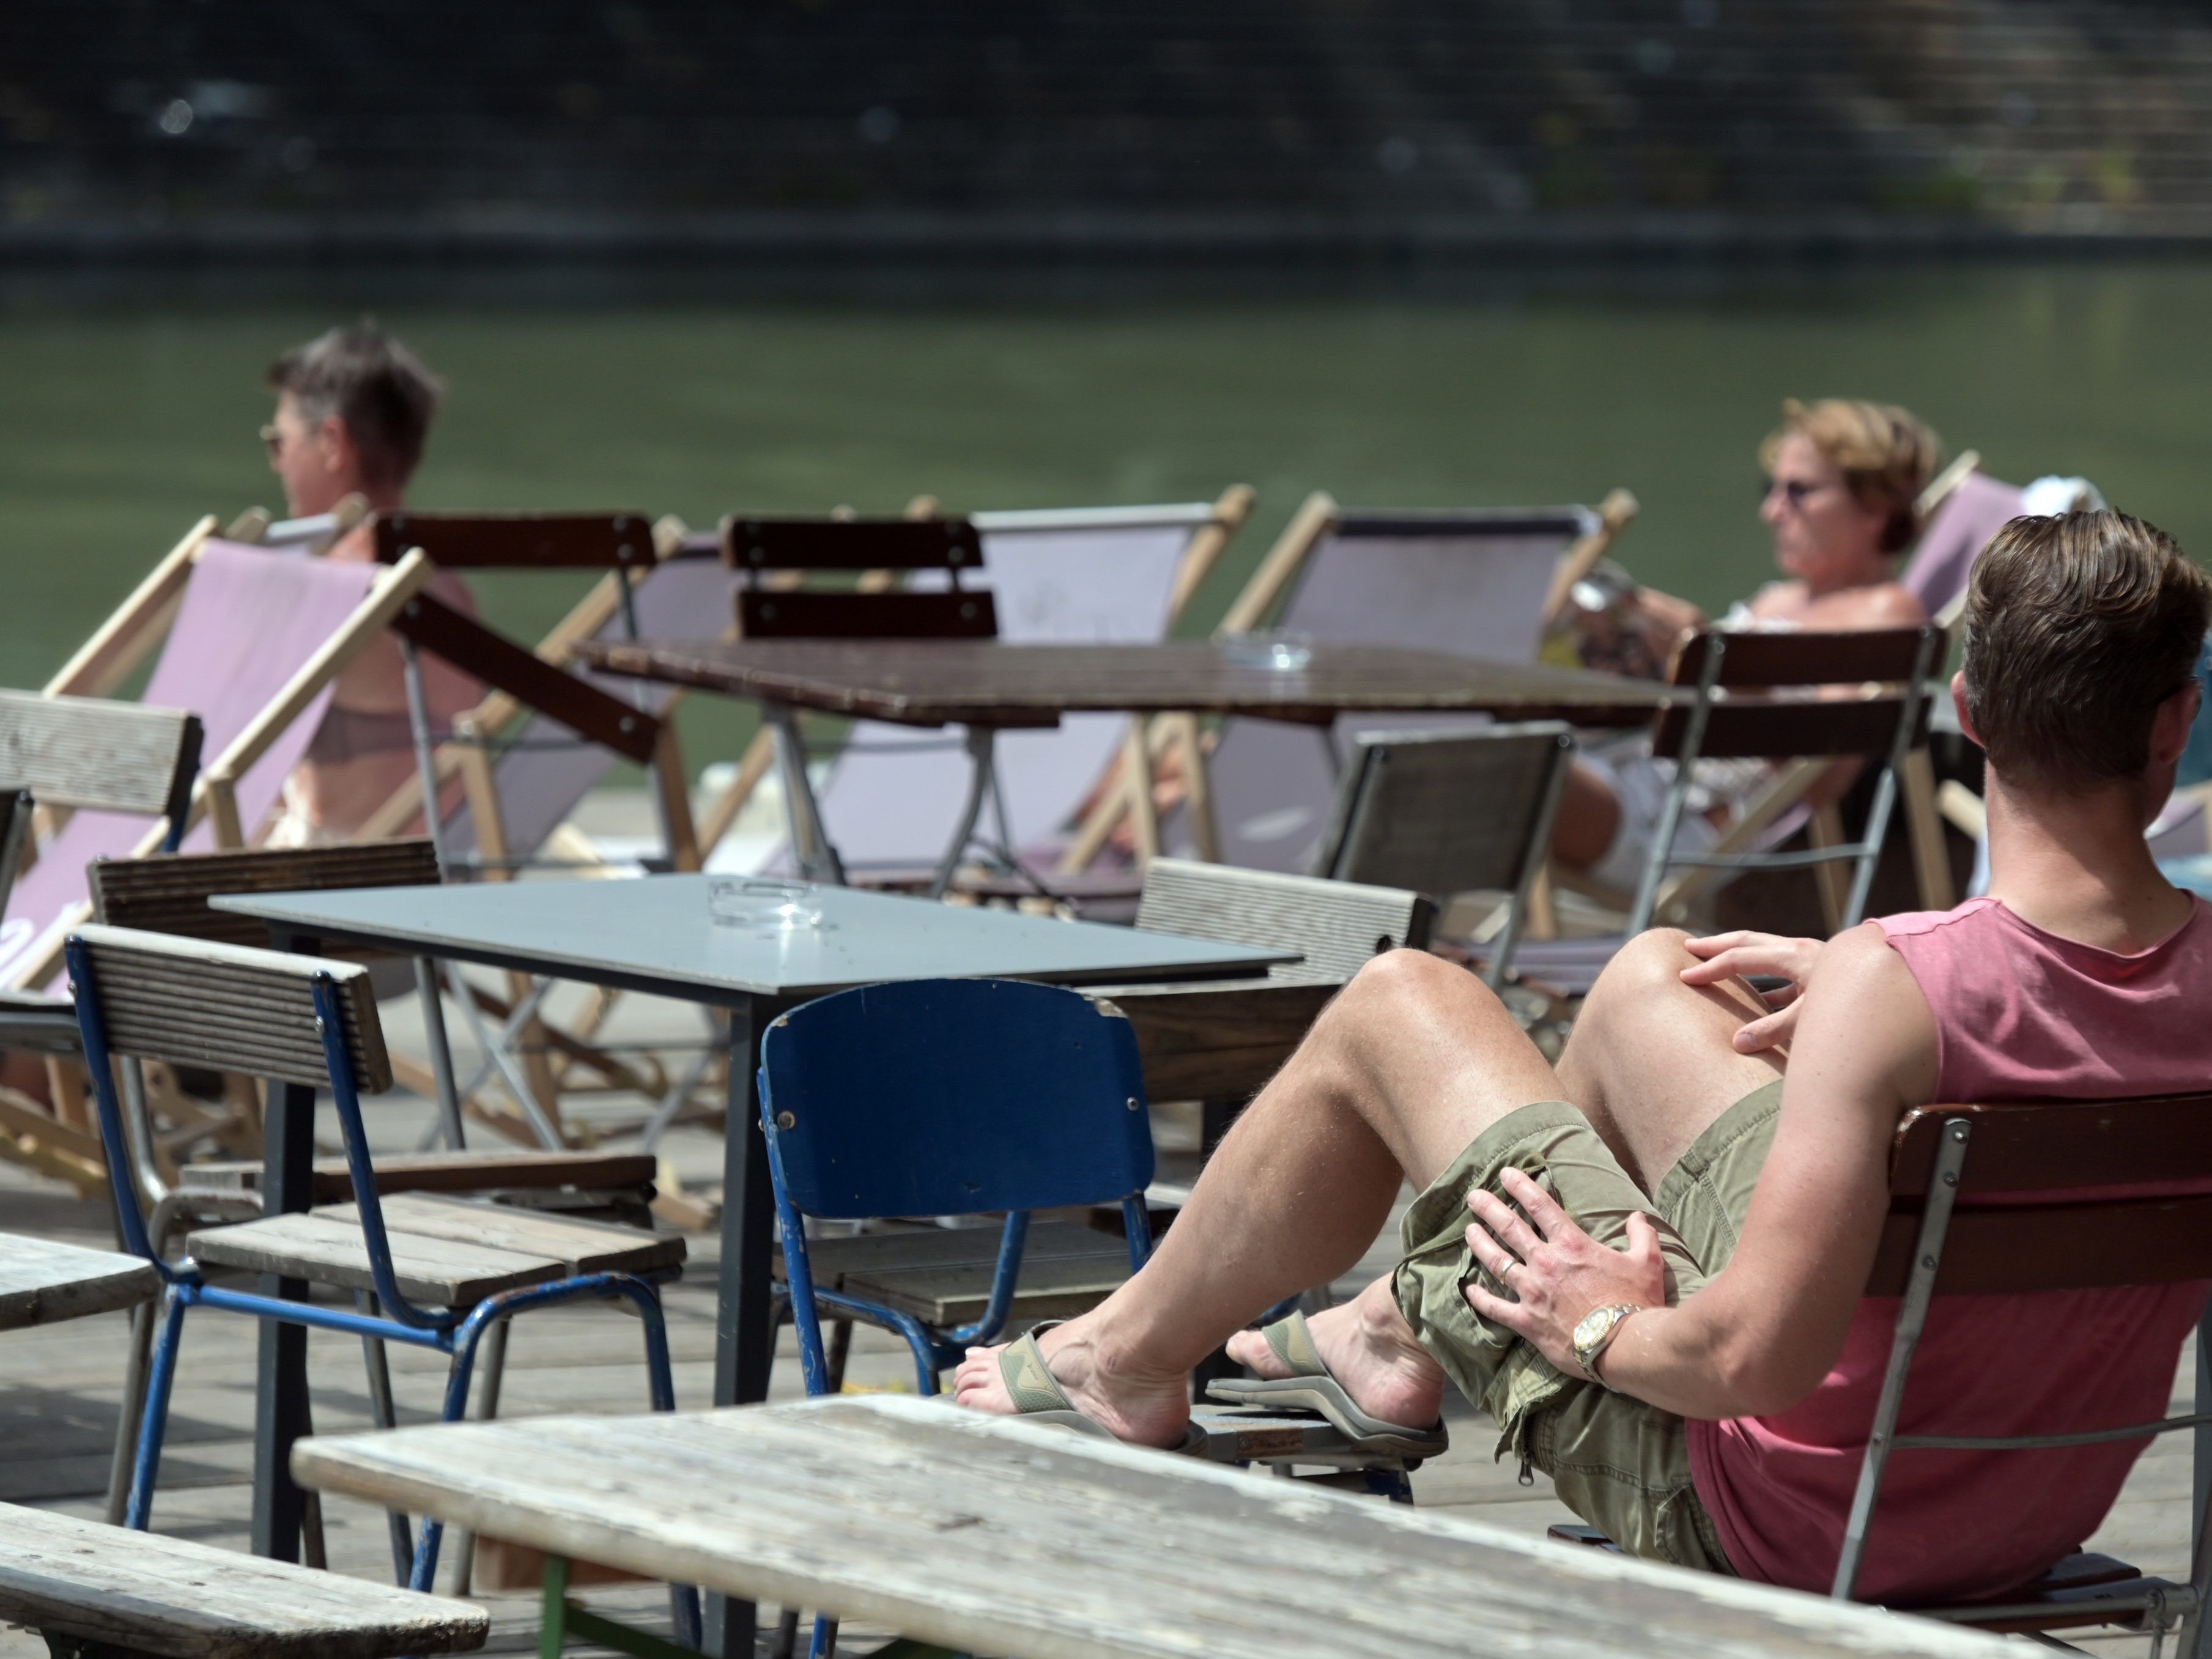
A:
(2036, 1155)
(1779, 725)
(99, 754)
(229, 1008)
(1444, 812)
(169, 893)
(759, 548)
(1336, 925)
(507, 541)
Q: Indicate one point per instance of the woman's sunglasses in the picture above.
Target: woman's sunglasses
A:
(272, 440)
(1796, 491)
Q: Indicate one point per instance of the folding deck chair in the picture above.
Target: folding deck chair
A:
(2026, 1197)
(442, 1273)
(1478, 583)
(255, 641)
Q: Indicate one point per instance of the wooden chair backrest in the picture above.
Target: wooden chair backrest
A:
(15, 834)
(758, 547)
(1443, 813)
(2067, 1221)
(509, 541)
(1785, 727)
(229, 1008)
(99, 754)
(1336, 925)
(169, 893)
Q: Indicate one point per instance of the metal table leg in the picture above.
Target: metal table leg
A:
(982, 780)
(280, 1411)
(744, 1335)
(810, 844)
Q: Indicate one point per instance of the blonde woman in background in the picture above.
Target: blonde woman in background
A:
(1842, 478)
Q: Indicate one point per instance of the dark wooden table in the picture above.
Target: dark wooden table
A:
(988, 685)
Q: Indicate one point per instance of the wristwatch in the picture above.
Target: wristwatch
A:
(1597, 1327)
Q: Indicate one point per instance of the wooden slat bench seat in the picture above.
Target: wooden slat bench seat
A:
(943, 1274)
(444, 1252)
(42, 1281)
(103, 1593)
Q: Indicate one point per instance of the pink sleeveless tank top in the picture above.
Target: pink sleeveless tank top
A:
(2021, 1014)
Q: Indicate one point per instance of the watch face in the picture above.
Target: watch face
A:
(1594, 1325)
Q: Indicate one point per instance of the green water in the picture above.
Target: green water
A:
(129, 410)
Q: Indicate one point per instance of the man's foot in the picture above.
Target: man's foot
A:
(1369, 1349)
(1143, 1408)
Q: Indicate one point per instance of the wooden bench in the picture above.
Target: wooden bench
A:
(42, 1282)
(100, 1592)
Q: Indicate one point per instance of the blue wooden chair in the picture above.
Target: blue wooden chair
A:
(442, 1271)
(947, 1097)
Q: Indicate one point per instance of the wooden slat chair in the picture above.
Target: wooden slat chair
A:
(169, 895)
(442, 1271)
(2023, 1198)
(59, 757)
(1802, 701)
(769, 553)
(542, 703)
(100, 1592)
(1443, 813)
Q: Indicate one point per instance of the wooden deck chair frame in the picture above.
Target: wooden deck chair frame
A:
(257, 527)
(1262, 596)
(122, 642)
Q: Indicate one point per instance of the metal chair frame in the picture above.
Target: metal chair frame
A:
(2163, 1605)
(454, 1333)
(1866, 852)
(1108, 1090)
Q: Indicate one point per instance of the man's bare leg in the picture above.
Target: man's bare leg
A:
(1651, 1061)
(1413, 1062)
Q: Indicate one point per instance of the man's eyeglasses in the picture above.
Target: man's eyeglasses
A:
(272, 440)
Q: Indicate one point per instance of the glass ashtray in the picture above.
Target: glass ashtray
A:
(1283, 651)
(765, 905)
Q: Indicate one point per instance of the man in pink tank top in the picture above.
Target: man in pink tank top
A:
(1647, 1262)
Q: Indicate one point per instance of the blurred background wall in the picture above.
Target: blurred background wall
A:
(1359, 127)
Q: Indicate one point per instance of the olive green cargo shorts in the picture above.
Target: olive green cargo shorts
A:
(1621, 1465)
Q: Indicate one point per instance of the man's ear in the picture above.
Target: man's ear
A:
(1958, 703)
(336, 445)
(2169, 729)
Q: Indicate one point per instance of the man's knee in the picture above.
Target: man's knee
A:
(1402, 989)
(1650, 964)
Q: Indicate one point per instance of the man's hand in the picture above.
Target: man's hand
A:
(1728, 954)
(1556, 1271)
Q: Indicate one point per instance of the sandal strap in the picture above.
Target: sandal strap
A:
(1029, 1383)
(1293, 1345)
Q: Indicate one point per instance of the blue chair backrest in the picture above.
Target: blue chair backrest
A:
(952, 1096)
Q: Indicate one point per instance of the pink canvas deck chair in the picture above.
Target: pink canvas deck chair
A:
(1478, 583)
(252, 641)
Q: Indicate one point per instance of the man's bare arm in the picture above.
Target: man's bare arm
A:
(1760, 1335)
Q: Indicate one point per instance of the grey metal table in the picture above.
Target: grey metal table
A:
(654, 935)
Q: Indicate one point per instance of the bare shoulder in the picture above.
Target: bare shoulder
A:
(1865, 1011)
(1884, 605)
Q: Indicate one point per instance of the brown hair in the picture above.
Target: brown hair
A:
(370, 380)
(1887, 456)
(2078, 626)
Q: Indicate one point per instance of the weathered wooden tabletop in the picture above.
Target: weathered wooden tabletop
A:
(995, 1537)
(990, 683)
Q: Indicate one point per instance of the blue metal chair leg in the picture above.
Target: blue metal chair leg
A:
(156, 1421)
(824, 1645)
(660, 1380)
(385, 1409)
(454, 1409)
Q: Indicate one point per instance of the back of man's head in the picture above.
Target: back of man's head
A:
(370, 380)
(2078, 627)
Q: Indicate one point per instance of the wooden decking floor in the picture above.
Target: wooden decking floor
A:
(59, 1387)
